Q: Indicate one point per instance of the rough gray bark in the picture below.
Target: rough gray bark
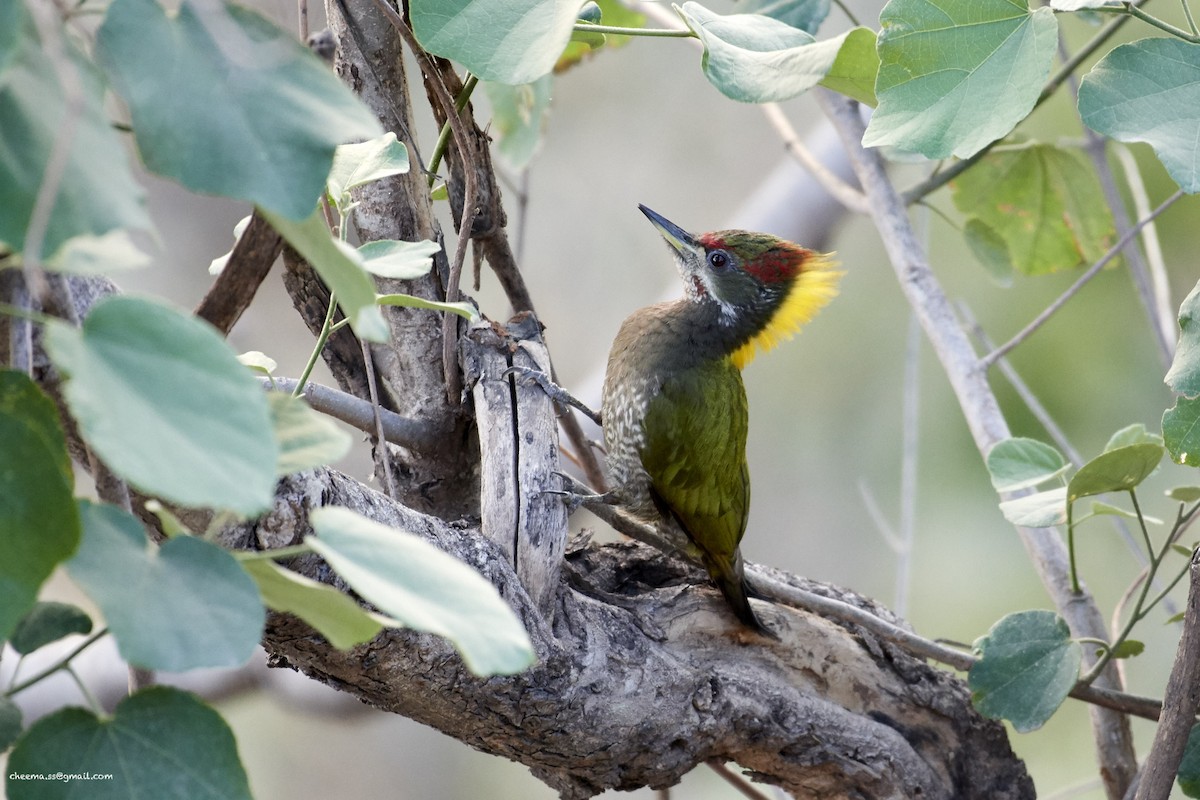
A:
(642, 676)
(642, 673)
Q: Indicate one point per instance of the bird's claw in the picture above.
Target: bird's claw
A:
(531, 377)
(573, 499)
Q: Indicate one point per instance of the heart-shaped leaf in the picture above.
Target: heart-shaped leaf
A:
(1018, 463)
(1028, 663)
(184, 605)
(1149, 91)
(955, 75)
(163, 400)
(282, 111)
(507, 41)
(162, 743)
(48, 622)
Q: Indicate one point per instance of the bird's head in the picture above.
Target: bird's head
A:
(761, 287)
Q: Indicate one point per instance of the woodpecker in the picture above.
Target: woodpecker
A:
(674, 406)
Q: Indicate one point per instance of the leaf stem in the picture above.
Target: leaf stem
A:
(272, 555)
(668, 33)
(322, 339)
(443, 140)
(1140, 608)
(1075, 587)
(1134, 11)
(62, 663)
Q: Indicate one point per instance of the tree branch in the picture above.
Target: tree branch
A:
(1181, 703)
(233, 290)
(968, 378)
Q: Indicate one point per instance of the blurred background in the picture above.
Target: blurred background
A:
(642, 125)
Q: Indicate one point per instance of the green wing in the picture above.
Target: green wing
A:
(695, 454)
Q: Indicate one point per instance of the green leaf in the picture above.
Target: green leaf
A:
(306, 439)
(1184, 374)
(990, 248)
(955, 75)
(165, 403)
(183, 605)
(1181, 431)
(12, 20)
(495, 39)
(1129, 648)
(756, 59)
(227, 103)
(1028, 663)
(1149, 91)
(1189, 767)
(1044, 202)
(1041, 510)
(39, 526)
(807, 15)
(611, 12)
(334, 615)
(518, 116)
(340, 267)
(1018, 463)
(1115, 470)
(99, 255)
(10, 715)
(48, 622)
(856, 67)
(464, 309)
(389, 258)
(1185, 494)
(258, 361)
(160, 743)
(1100, 507)
(98, 192)
(356, 165)
(424, 588)
(1132, 434)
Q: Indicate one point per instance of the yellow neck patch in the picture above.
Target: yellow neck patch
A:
(815, 286)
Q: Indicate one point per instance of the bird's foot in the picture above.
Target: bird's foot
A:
(555, 392)
(574, 496)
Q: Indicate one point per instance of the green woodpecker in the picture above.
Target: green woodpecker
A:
(674, 406)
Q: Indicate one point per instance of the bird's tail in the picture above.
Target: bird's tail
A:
(730, 577)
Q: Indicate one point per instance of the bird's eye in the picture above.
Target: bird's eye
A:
(718, 259)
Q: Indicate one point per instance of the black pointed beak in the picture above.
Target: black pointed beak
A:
(676, 236)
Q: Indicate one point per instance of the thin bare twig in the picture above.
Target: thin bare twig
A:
(841, 191)
(1091, 272)
(389, 483)
(362, 414)
(1162, 312)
